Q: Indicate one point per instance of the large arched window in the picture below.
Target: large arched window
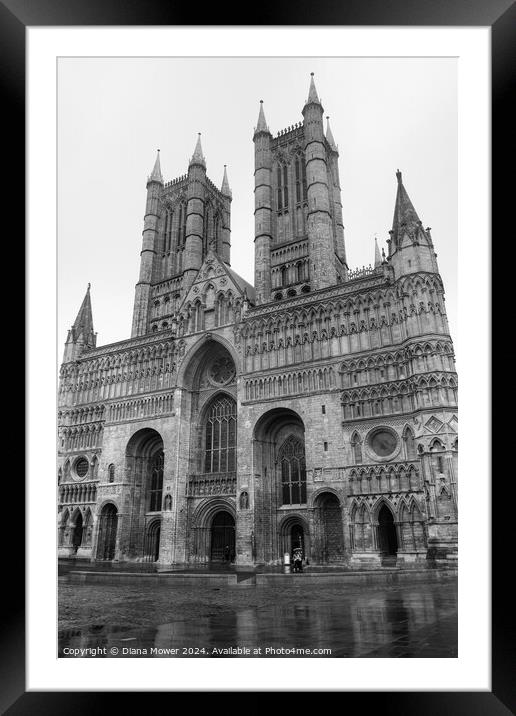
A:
(198, 317)
(156, 482)
(298, 180)
(285, 186)
(293, 471)
(181, 229)
(208, 228)
(220, 436)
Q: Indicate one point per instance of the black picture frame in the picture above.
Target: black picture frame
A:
(500, 15)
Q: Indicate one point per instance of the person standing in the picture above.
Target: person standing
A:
(297, 556)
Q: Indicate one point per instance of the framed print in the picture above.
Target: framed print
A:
(254, 280)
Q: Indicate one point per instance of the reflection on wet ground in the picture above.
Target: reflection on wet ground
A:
(65, 566)
(419, 621)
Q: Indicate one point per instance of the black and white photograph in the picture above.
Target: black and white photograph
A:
(257, 414)
(257, 267)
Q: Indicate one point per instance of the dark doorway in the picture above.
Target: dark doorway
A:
(77, 533)
(297, 537)
(151, 550)
(223, 537)
(388, 540)
(107, 533)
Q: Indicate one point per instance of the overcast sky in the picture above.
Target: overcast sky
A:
(385, 113)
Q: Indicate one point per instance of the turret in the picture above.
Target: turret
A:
(262, 209)
(411, 251)
(410, 246)
(320, 230)
(226, 218)
(193, 251)
(148, 252)
(337, 202)
(377, 256)
(81, 335)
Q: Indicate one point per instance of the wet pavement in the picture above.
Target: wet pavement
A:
(111, 620)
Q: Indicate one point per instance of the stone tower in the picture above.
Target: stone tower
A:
(184, 219)
(299, 234)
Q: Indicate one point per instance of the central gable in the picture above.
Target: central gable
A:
(215, 298)
(212, 280)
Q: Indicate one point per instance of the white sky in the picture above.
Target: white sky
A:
(113, 114)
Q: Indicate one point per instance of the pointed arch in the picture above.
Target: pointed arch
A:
(291, 458)
(379, 504)
(356, 447)
(220, 435)
(409, 442)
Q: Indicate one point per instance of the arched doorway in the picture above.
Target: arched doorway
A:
(145, 465)
(387, 537)
(77, 532)
(151, 548)
(107, 532)
(280, 461)
(293, 532)
(329, 537)
(222, 537)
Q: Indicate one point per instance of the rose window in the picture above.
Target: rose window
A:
(222, 371)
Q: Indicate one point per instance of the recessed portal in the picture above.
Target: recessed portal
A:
(388, 540)
(77, 532)
(329, 537)
(107, 532)
(293, 533)
(151, 549)
(223, 537)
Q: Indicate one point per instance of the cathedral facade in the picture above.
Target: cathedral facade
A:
(317, 408)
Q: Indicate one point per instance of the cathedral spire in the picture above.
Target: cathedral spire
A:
(225, 184)
(329, 135)
(198, 156)
(84, 322)
(410, 245)
(405, 216)
(377, 256)
(81, 335)
(262, 124)
(313, 97)
(156, 172)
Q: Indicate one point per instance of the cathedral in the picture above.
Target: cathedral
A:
(317, 408)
